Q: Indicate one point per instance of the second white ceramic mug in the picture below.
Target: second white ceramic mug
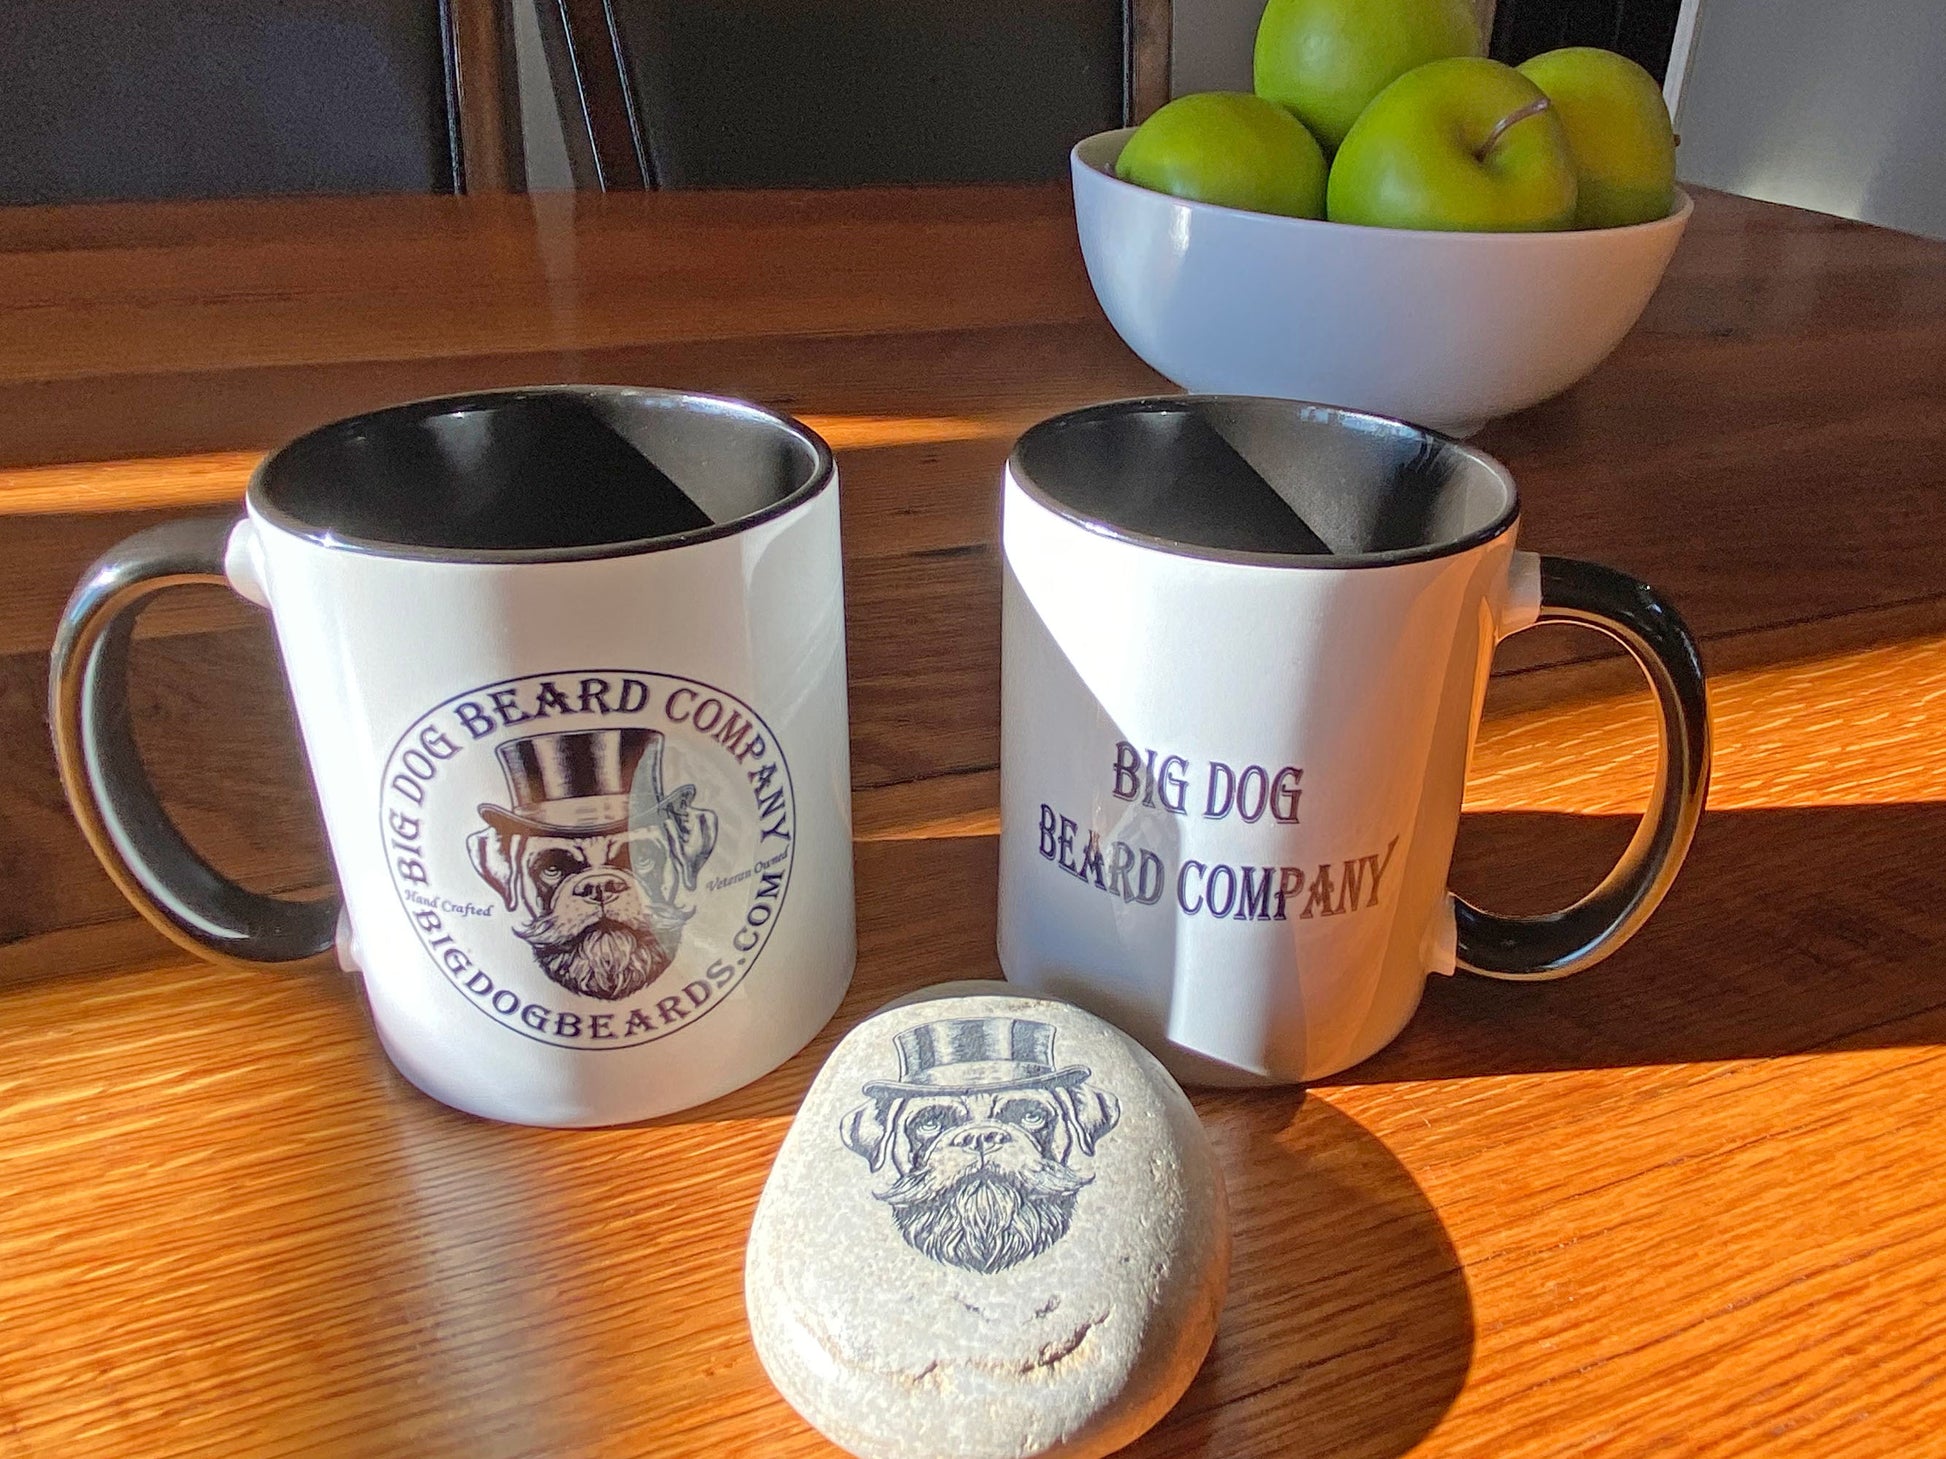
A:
(1245, 646)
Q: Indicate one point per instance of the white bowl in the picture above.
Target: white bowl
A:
(1443, 329)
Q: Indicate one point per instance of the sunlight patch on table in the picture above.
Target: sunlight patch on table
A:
(215, 477)
(1867, 727)
(863, 432)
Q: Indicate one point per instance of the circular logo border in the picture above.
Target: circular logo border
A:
(720, 995)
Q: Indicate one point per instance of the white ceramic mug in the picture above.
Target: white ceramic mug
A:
(569, 668)
(1245, 647)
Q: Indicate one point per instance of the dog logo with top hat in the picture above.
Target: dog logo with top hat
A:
(595, 858)
(980, 1132)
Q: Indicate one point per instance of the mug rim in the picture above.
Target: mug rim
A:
(822, 475)
(1502, 523)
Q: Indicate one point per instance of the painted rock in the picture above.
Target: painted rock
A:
(995, 1229)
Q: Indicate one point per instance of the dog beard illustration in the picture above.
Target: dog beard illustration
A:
(609, 952)
(984, 1213)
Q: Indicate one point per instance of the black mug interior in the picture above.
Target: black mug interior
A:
(1275, 480)
(541, 474)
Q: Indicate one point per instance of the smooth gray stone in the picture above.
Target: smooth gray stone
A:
(995, 1229)
(959, 988)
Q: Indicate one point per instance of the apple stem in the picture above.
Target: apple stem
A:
(1533, 109)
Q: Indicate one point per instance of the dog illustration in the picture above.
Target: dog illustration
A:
(594, 856)
(980, 1130)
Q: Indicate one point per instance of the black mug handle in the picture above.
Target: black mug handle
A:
(1534, 949)
(107, 787)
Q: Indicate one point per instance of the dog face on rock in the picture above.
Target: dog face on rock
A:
(980, 1133)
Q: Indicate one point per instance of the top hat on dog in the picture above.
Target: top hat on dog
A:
(584, 783)
(975, 1056)
(600, 782)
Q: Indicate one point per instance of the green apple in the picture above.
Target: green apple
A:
(1228, 147)
(1326, 59)
(1466, 145)
(1618, 130)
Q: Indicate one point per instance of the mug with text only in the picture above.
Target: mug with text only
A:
(1245, 645)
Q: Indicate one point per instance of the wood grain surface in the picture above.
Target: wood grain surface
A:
(1685, 1203)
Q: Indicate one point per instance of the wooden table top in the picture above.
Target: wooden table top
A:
(1684, 1203)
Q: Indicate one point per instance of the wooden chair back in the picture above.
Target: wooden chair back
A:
(755, 93)
(1642, 30)
(131, 100)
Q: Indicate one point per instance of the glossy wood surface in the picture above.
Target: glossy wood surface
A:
(1685, 1203)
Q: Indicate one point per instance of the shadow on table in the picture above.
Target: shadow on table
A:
(1789, 931)
(1348, 1331)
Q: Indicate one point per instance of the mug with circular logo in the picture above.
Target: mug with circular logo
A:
(568, 664)
(1245, 645)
